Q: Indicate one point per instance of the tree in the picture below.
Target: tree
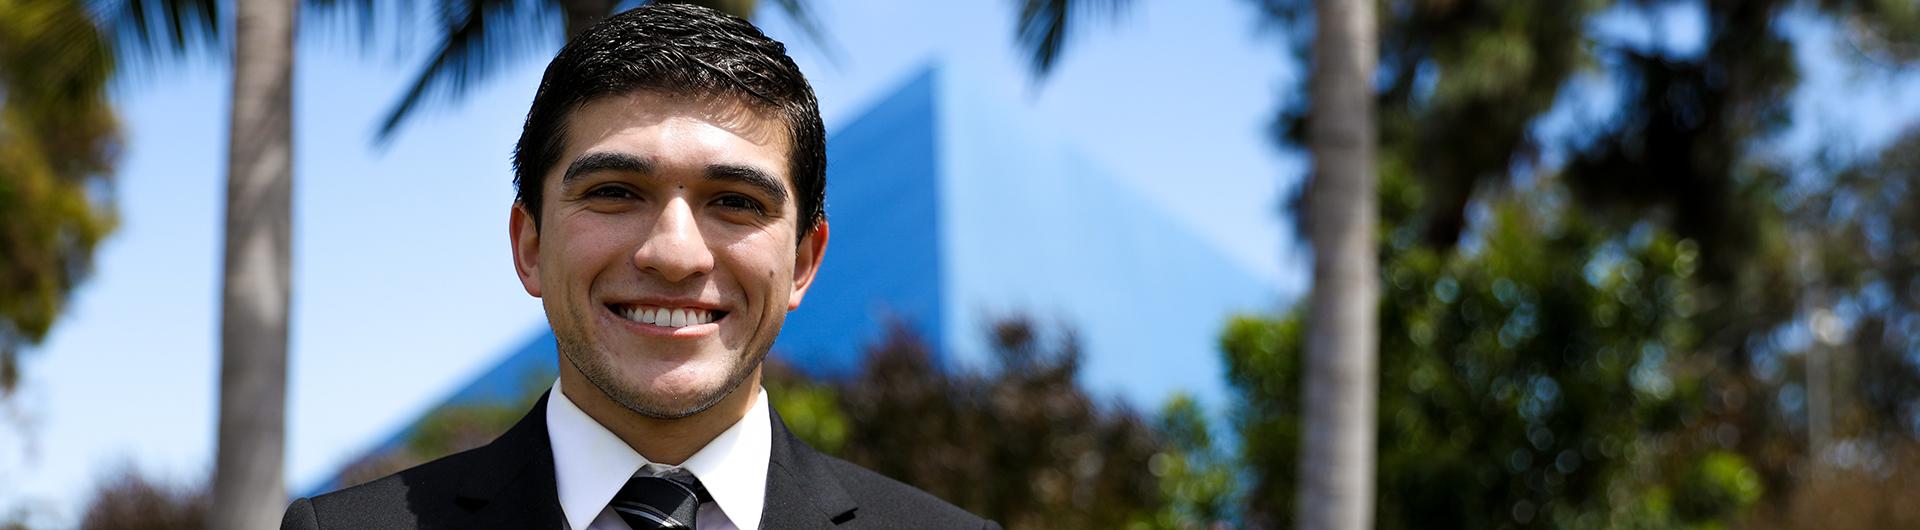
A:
(256, 282)
(130, 500)
(1465, 88)
(58, 136)
(1020, 443)
(1342, 361)
(1539, 381)
(1342, 350)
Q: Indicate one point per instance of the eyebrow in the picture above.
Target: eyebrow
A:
(750, 176)
(596, 162)
(627, 163)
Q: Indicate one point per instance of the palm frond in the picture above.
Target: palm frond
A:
(1043, 27)
(478, 37)
(801, 12)
(147, 32)
(361, 22)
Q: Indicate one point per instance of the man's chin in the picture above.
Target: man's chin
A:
(673, 406)
(665, 398)
(660, 381)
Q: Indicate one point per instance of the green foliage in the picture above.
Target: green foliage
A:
(1197, 479)
(1717, 487)
(810, 408)
(1557, 371)
(1263, 365)
(58, 138)
(1526, 380)
(1020, 443)
(1681, 166)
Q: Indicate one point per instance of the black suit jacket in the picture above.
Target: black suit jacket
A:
(510, 484)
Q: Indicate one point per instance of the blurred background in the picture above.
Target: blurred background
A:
(1641, 263)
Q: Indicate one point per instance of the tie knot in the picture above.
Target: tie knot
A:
(648, 502)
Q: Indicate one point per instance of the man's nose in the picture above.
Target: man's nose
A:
(674, 248)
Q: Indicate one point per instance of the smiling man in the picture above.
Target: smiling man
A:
(670, 178)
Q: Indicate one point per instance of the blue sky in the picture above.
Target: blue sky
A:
(403, 284)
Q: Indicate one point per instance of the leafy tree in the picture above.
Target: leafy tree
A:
(1540, 379)
(58, 141)
(1020, 443)
(129, 500)
(1197, 476)
(1463, 89)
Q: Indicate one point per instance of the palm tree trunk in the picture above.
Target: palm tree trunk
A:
(1342, 364)
(248, 489)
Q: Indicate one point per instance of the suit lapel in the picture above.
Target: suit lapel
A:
(801, 491)
(512, 485)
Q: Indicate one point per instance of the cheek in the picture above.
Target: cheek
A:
(590, 249)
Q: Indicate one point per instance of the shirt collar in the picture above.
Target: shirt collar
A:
(591, 464)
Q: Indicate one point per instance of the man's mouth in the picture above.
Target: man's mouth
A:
(667, 317)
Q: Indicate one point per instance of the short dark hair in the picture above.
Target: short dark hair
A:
(677, 50)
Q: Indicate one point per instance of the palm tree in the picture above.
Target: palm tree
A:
(256, 286)
(248, 488)
(1341, 378)
(1342, 364)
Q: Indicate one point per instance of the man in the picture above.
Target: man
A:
(670, 182)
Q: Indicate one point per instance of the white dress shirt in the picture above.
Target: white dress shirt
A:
(591, 464)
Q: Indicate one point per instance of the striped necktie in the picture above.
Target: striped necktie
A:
(660, 502)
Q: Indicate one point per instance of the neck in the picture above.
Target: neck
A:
(661, 441)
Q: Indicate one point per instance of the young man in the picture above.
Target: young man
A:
(670, 179)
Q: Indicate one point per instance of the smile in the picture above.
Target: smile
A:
(667, 317)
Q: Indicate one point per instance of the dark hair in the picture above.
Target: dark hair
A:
(677, 50)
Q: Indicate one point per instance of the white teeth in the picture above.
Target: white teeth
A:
(664, 317)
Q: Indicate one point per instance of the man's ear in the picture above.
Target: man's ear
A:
(806, 263)
(526, 248)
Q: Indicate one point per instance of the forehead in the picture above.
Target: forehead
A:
(700, 129)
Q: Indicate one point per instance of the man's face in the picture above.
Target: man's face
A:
(666, 253)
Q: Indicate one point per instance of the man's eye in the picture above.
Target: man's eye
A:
(609, 192)
(738, 202)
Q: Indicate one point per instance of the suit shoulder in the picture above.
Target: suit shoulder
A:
(888, 503)
(392, 501)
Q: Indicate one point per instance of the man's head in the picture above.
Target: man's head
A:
(670, 179)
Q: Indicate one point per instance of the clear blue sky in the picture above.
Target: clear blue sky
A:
(403, 285)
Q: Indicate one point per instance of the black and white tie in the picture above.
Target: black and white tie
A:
(660, 502)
